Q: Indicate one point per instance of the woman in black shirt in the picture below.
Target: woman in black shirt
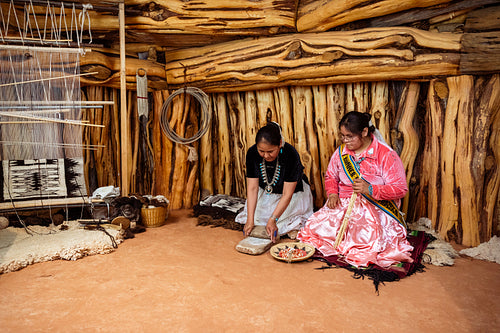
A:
(278, 194)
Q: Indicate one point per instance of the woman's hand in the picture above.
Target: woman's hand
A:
(247, 229)
(272, 229)
(333, 200)
(360, 186)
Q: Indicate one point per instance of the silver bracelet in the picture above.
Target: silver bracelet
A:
(275, 218)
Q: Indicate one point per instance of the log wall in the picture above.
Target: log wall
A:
(416, 81)
(446, 132)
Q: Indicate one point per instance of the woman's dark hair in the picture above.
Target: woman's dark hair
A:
(271, 133)
(355, 122)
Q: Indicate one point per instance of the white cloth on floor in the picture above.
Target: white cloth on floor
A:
(293, 218)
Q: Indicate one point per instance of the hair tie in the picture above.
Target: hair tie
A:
(281, 134)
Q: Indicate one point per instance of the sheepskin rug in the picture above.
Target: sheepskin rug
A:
(485, 251)
(69, 241)
(438, 252)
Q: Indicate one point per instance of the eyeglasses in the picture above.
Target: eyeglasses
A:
(347, 138)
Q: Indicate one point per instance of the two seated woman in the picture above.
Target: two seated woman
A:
(279, 196)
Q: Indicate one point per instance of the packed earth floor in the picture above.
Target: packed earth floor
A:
(186, 278)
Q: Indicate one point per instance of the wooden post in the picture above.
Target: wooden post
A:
(324, 138)
(284, 112)
(491, 103)
(222, 176)
(240, 145)
(336, 106)
(379, 106)
(463, 86)
(124, 123)
(410, 136)
(206, 159)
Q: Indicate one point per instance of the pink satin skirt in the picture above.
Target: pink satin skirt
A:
(372, 236)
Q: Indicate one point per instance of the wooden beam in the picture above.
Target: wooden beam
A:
(375, 54)
(422, 14)
(485, 19)
(480, 53)
(6, 207)
(124, 123)
(317, 16)
(231, 17)
(108, 68)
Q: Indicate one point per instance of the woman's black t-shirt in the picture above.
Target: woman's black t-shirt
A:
(291, 168)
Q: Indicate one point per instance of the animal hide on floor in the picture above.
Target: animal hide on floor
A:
(485, 251)
(219, 210)
(438, 252)
(69, 241)
(418, 239)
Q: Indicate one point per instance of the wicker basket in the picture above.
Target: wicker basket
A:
(154, 217)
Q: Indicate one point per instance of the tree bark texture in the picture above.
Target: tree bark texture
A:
(107, 66)
(459, 178)
(317, 16)
(374, 54)
(232, 17)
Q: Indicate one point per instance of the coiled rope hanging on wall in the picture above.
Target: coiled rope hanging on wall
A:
(206, 115)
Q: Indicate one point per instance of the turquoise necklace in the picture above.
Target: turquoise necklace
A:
(276, 176)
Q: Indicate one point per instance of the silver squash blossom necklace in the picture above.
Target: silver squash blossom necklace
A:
(276, 176)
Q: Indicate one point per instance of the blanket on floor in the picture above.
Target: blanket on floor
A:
(418, 239)
(70, 241)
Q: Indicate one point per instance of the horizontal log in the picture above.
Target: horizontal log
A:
(45, 203)
(233, 17)
(141, 41)
(485, 19)
(480, 53)
(421, 14)
(373, 54)
(108, 67)
(317, 16)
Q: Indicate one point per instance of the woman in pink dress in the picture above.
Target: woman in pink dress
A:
(376, 233)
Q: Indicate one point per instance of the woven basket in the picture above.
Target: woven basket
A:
(154, 217)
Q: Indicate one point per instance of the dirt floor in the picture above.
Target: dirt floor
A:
(186, 278)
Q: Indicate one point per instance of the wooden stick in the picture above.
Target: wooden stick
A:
(56, 102)
(42, 111)
(345, 221)
(50, 120)
(36, 39)
(4, 206)
(32, 122)
(124, 123)
(93, 147)
(135, 138)
(47, 79)
(45, 49)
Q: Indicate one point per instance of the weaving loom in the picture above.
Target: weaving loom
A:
(40, 112)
